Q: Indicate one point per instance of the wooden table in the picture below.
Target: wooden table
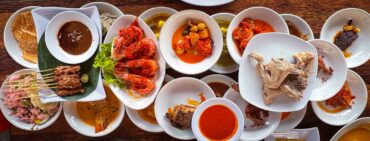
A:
(314, 12)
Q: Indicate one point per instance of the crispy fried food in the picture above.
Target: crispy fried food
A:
(181, 115)
(343, 98)
(137, 83)
(23, 29)
(281, 77)
(144, 67)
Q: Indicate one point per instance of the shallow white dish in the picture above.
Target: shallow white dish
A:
(52, 43)
(359, 89)
(180, 19)
(207, 3)
(292, 121)
(140, 122)
(360, 48)
(274, 45)
(308, 134)
(259, 13)
(156, 10)
(234, 67)
(349, 127)
(333, 58)
(219, 78)
(122, 95)
(175, 93)
(217, 101)
(300, 23)
(72, 118)
(12, 45)
(20, 124)
(105, 7)
(259, 132)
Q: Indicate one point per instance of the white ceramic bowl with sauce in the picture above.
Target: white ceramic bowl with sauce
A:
(233, 67)
(177, 92)
(332, 57)
(350, 126)
(155, 11)
(260, 13)
(11, 44)
(359, 90)
(51, 37)
(360, 47)
(301, 25)
(169, 28)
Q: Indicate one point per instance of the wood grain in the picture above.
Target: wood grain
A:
(315, 12)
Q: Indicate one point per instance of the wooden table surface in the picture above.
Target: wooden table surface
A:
(314, 12)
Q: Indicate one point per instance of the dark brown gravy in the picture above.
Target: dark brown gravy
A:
(74, 38)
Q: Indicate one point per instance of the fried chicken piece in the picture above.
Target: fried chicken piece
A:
(181, 116)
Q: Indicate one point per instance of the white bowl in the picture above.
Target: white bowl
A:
(122, 95)
(140, 122)
(18, 123)
(216, 68)
(219, 78)
(11, 44)
(175, 93)
(217, 101)
(259, 13)
(274, 45)
(52, 42)
(292, 121)
(73, 119)
(360, 48)
(350, 126)
(172, 24)
(256, 133)
(207, 3)
(105, 7)
(155, 11)
(300, 23)
(358, 88)
(333, 58)
(308, 134)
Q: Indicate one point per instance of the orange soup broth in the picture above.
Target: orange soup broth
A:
(87, 113)
(216, 126)
(190, 55)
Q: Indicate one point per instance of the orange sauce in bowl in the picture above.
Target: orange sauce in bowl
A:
(216, 126)
(324, 107)
(190, 55)
(284, 115)
(148, 114)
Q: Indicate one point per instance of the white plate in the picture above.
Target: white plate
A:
(105, 7)
(308, 134)
(42, 16)
(207, 2)
(180, 19)
(274, 45)
(300, 23)
(140, 122)
(259, 132)
(292, 121)
(234, 67)
(358, 88)
(73, 119)
(219, 78)
(333, 58)
(349, 127)
(360, 48)
(18, 123)
(217, 101)
(129, 101)
(52, 42)
(11, 44)
(175, 93)
(259, 13)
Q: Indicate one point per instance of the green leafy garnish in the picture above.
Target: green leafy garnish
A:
(106, 63)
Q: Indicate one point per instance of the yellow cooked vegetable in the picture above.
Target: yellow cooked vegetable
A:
(201, 26)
